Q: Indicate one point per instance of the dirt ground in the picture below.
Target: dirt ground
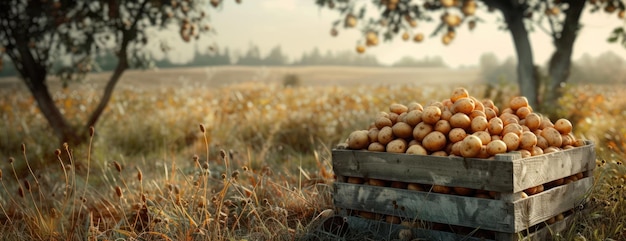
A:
(216, 76)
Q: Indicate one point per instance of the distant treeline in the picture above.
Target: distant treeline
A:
(605, 68)
(253, 57)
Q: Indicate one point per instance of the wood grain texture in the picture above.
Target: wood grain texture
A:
(388, 231)
(532, 171)
(482, 174)
(508, 173)
(540, 207)
(487, 214)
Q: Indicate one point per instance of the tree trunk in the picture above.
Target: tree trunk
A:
(561, 60)
(525, 66)
(513, 14)
(34, 75)
(122, 65)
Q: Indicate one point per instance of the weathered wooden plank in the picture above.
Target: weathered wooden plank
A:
(496, 215)
(532, 171)
(543, 233)
(507, 173)
(489, 214)
(540, 207)
(492, 175)
(388, 231)
(383, 230)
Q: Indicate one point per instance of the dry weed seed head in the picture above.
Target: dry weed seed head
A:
(118, 191)
(92, 131)
(205, 166)
(23, 148)
(27, 185)
(139, 175)
(244, 168)
(223, 154)
(201, 202)
(223, 176)
(202, 129)
(20, 192)
(0, 174)
(57, 152)
(54, 213)
(195, 158)
(11, 159)
(117, 166)
(235, 174)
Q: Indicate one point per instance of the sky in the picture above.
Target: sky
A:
(299, 25)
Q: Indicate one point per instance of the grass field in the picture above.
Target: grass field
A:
(228, 153)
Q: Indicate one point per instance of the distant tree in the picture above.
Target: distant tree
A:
(6, 69)
(252, 56)
(345, 58)
(408, 61)
(275, 57)
(606, 68)
(314, 58)
(106, 61)
(37, 35)
(558, 18)
(210, 58)
(494, 72)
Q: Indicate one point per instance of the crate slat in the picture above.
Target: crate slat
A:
(447, 171)
(537, 208)
(489, 214)
(532, 171)
(506, 173)
(390, 231)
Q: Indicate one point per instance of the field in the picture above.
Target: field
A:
(230, 153)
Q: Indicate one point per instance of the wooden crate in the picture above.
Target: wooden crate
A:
(381, 230)
(508, 174)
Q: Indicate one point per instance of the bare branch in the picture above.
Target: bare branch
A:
(554, 34)
(543, 28)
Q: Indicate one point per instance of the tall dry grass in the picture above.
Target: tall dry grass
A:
(245, 161)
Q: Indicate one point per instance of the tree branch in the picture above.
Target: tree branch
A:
(538, 24)
(122, 65)
(554, 35)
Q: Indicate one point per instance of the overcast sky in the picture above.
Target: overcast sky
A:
(299, 25)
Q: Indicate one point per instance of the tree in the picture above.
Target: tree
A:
(252, 57)
(494, 72)
(275, 57)
(408, 61)
(558, 18)
(38, 34)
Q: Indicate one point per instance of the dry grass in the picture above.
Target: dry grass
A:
(247, 161)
